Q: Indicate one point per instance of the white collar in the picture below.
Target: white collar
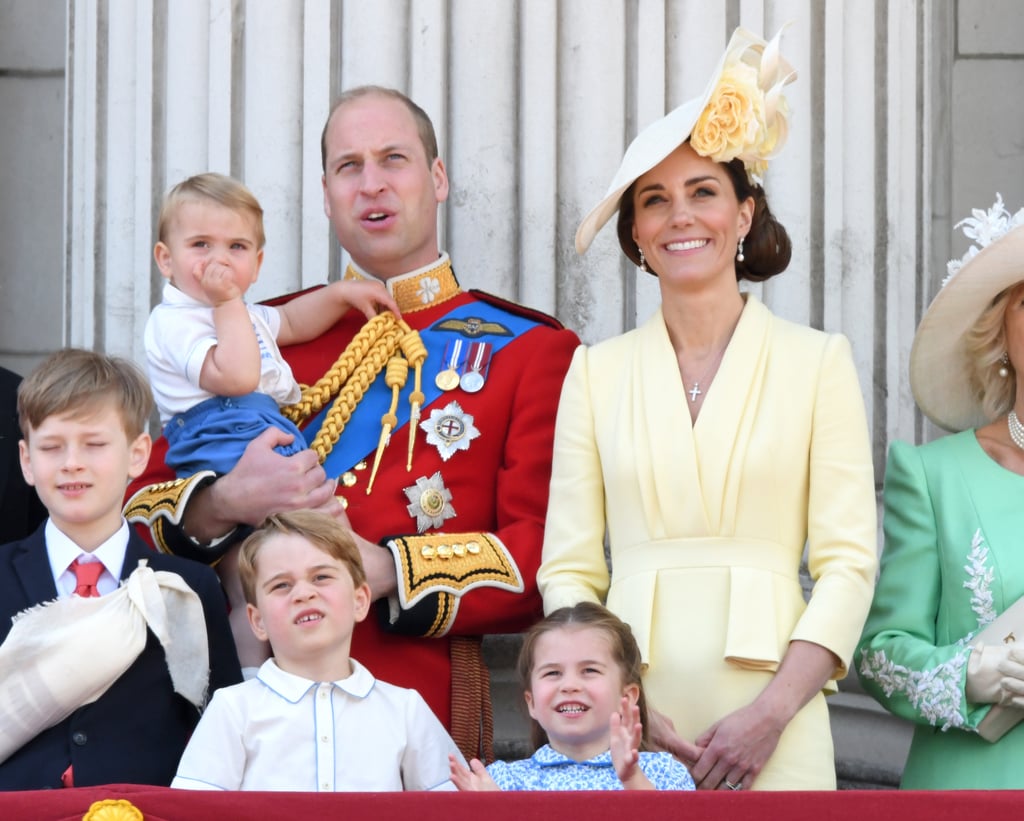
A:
(292, 687)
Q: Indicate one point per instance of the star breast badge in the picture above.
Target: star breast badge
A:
(449, 430)
(430, 502)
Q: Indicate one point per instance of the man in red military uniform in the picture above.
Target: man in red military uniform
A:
(450, 521)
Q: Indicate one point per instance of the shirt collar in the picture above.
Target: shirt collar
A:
(173, 295)
(423, 288)
(292, 687)
(62, 551)
(546, 756)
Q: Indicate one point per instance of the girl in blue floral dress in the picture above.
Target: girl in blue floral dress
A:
(580, 669)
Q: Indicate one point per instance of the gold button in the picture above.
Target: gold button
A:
(459, 549)
(444, 551)
(360, 465)
(427, 552)
(473, 547)
(348, 478)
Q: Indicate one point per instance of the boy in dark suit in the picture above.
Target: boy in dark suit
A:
(108, 689)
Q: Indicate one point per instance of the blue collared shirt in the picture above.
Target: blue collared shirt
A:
(547, 769)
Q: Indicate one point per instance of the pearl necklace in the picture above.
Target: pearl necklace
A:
(1016, 429)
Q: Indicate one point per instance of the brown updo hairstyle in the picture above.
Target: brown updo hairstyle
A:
(766, 247)
(625, 653)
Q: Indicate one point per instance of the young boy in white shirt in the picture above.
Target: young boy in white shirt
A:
(314, 719)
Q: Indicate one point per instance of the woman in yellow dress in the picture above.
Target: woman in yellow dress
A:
(712, 444)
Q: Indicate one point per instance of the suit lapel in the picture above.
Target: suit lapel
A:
(32, 567)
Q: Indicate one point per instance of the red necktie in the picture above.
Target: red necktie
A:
(87, 574)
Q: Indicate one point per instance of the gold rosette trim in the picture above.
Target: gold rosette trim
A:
(113, 809)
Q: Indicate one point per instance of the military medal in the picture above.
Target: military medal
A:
(475, 373)
(448, 377)
(430, 502)
(449, 430)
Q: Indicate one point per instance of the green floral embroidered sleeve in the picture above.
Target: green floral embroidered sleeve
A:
(939, 583)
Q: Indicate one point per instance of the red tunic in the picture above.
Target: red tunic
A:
(499, 486)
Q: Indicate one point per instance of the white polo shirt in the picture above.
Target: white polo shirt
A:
(279, 731)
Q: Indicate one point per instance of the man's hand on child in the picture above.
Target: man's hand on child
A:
(299, 481)
(626, 733)
(475, 778)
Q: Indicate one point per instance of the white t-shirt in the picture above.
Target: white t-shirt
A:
(179, 334)
(279, 731)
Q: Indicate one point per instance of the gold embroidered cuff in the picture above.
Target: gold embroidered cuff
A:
(452, 563)
(164, 504)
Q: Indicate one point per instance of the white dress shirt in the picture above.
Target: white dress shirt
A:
(62, 552)
(280, 731)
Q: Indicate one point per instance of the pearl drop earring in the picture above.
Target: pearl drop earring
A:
(1004, 370)
(739, 251)
(643, 260)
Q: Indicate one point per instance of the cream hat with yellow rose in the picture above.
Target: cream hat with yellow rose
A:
(741, 114)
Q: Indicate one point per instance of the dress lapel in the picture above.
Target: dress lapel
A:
(663, 438)
(690, 475)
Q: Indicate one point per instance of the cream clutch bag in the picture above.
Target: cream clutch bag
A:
(1006, 628)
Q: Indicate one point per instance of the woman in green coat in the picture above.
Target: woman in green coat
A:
(954, 528)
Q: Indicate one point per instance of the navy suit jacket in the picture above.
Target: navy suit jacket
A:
(136, 732)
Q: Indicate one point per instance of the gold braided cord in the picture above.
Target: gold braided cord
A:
(352, 393)
(315, 397)
(394, 377)
(352, 374)
(416, 352)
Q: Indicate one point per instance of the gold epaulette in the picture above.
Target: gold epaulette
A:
(451, 564)
(163, 502)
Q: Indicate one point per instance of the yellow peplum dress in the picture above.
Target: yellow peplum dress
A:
(707, 523)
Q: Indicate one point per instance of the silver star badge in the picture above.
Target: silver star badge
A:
(430, 502)
(449, 430)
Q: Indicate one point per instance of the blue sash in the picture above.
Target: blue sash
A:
(362, 432)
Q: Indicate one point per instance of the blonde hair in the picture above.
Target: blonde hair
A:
(319, 529)
(225, 191)
(78, 382)
(625, 653)
(986, 343)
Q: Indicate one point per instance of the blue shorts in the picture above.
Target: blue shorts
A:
(213, 434)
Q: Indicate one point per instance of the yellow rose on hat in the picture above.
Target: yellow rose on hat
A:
(741, 115)
(732, 121)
